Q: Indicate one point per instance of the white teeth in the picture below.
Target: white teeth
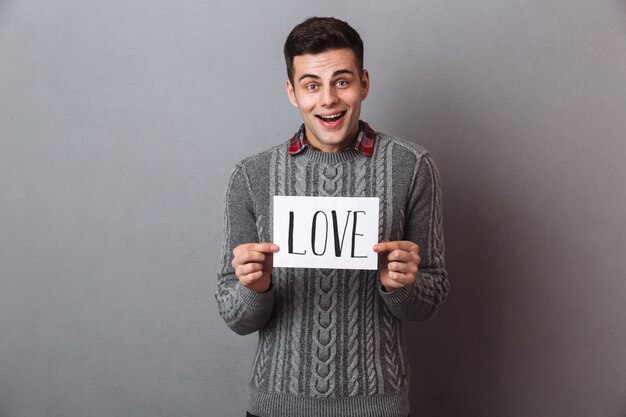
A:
(334, 116)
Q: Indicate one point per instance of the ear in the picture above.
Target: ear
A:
(291, 94)
(365, 84)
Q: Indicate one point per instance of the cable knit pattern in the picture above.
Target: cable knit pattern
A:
(391, 360)
(330, 341)
(260, 226)
(260, 377)
(301, 185)
(353, 334)
(389, 208)
(370, 356)
(360, 180)
(282, 305)
(324, 349)
(379, 156)
(296, 347)
(437, 219)
(330, 183)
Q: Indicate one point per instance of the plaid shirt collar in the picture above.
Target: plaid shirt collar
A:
(364, 141)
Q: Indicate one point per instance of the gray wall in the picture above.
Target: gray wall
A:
(120, 122)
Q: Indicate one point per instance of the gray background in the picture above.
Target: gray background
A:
(120, 122)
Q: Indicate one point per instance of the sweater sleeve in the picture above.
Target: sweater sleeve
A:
(423, 225)
(244, 310)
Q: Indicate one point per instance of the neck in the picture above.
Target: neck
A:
(346, 144)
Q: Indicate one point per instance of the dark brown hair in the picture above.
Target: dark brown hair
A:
(320, 34)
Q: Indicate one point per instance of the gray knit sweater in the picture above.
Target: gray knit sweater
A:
(330, 341)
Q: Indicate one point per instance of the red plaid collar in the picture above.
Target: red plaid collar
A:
(364, 142)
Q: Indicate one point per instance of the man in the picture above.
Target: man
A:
(330, 341)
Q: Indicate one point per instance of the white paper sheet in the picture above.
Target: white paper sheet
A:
(326, 232)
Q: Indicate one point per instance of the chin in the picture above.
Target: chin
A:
(335, 141)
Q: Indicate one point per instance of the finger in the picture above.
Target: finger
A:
(402, 267)
(250, 279)
(402, 256)
(400, 278)
(250, 268)
(247, 271)
(256, 247)
(396, 245)
(249, 256)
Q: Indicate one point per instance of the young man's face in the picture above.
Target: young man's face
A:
(328, 92)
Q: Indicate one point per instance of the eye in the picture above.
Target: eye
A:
(311, 87)
(341, 83)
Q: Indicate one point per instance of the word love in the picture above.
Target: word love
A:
(338, 243)
(326, 232)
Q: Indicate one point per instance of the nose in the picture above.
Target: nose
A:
(329, 97)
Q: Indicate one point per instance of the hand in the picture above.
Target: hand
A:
(398, 263)
(253, 265)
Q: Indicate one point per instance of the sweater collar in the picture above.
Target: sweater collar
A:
(364, 143)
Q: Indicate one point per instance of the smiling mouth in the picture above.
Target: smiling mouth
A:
(331, 118)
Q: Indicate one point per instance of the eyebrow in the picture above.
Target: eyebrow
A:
(317, 77)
